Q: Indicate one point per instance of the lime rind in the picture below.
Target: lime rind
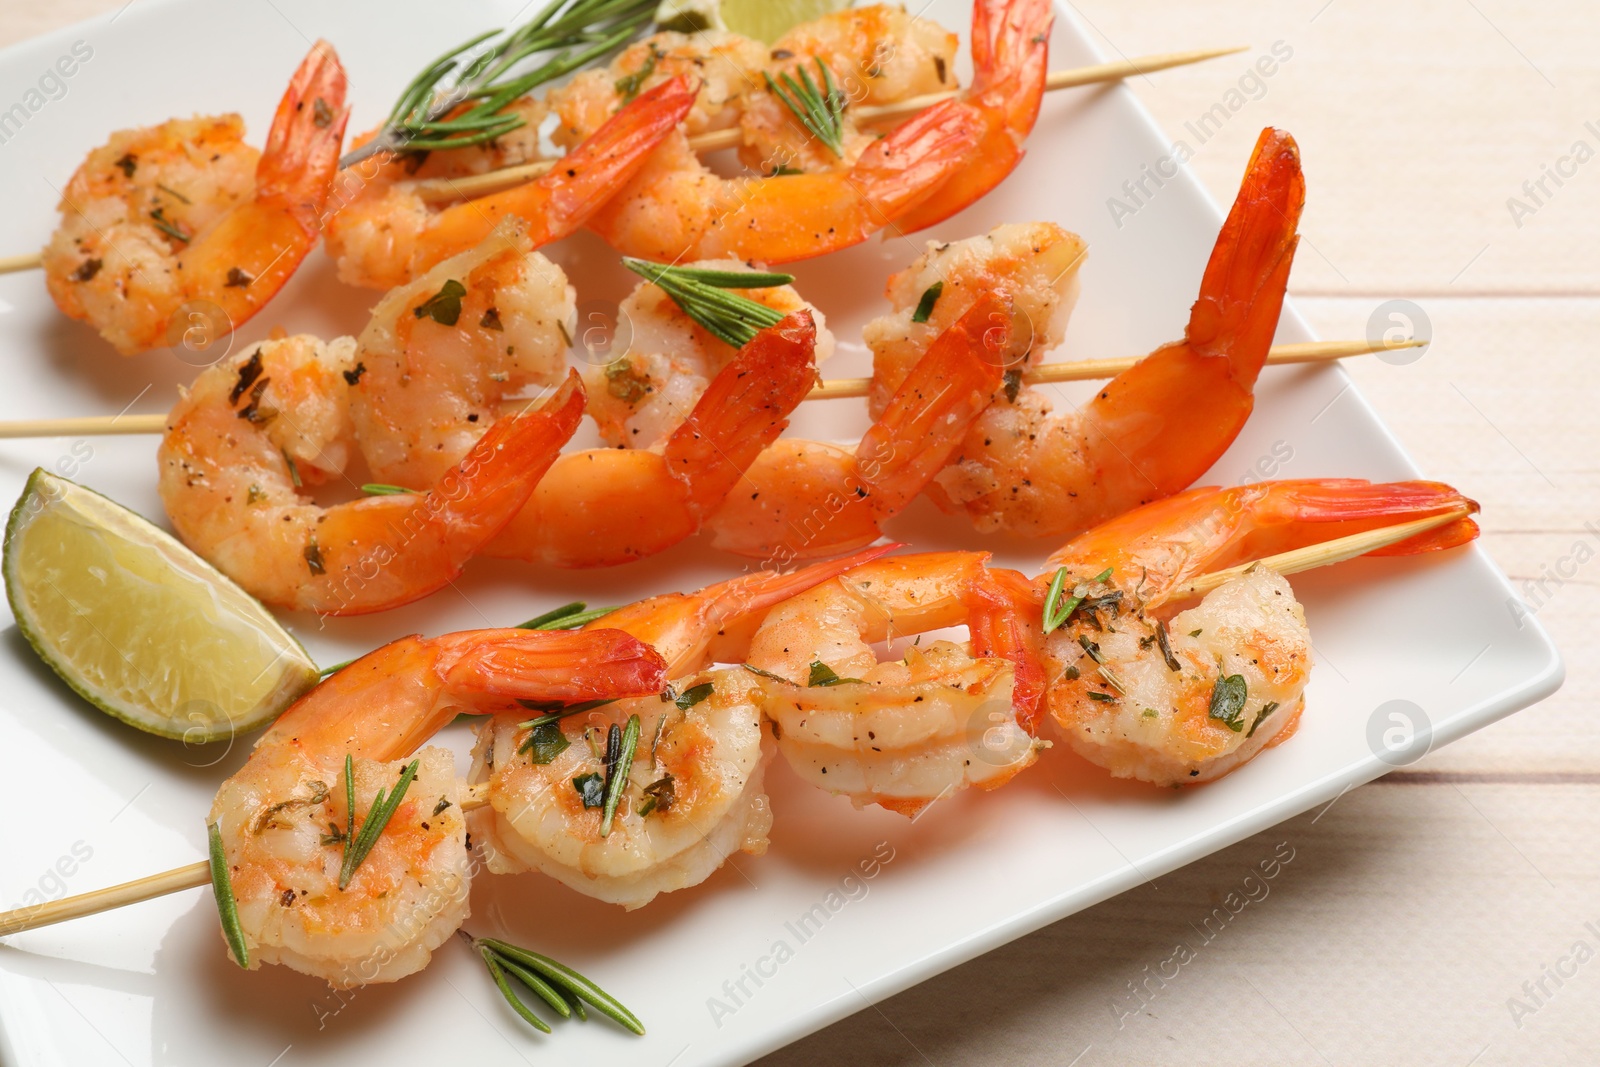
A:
(191, 656)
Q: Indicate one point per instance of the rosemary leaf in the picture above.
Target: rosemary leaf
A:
(335, 668)
(378, 816)
(618, 769)
(497, 973)
(380, 489)
(819, 109)
(545, 742)
(703, 296)
(543, 989)
(568, 619)
(1057, 609)
(227, 907)
(692, 696)
(569, 980)
(930, 296)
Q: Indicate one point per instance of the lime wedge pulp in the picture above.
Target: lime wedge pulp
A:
(140, 626)
(765, 20)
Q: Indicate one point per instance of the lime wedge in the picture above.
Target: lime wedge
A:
(765, 20)
(140, 626)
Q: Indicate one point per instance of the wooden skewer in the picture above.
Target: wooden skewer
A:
(436, 190)
(839, 388)
(149, 887)
(1329, 552)
(475, 796)
(445, 189)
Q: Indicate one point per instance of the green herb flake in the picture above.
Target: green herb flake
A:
(1166, 648)
(628, 86)
(1058, 608)
(693, 695)
(620, 747)
(930, 296)
(627, 384)
(1104, 698)
(1013, 384)
(380, 489)
(753, 669)
(545, 742)
(591, 789)
(1228, 699)
(822, 674)
(659, 796)
(1261, 718)
(443, 307)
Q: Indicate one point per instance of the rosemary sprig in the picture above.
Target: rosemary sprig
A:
(358, 844)
(1057, 608)
(568, 983)
(227, 907)
(483, 72)
(571, 616)
(620, 747)
(703, 296)
(819, 110)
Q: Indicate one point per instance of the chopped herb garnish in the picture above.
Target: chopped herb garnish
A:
(439, 807)
(1150, 713)
(1227, 701)
(620, 746)
(591, 788)
(86, 270)
(625, 383)
(1071, 674)
(294, 470)
(249, 371)
(378, 816)
(1166, 648)
(658, 796)
(490, 320)
(162, 223)
(380, 489)
(174, 193)
(930, 296)
(753, 669)
(443, 307)
(693, 695)
(237, 279)
(1091, 648)
(570, 985)
(819, 109)
(313, 554)
(222, 889)
(1261, 718)
(1057, 609)
(628, 86)
(127, 164)
(822, 674)
(1013, 384)
(703, 296)
(1195, 633)
(545, 742)
(1104, 698)
(321, 113)
(353, 375)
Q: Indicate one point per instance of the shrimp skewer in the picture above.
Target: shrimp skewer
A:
(281, 816)
(695, 792)
(677, 208)
(385, 234)
(183, 225)
(1186, 698)
(1153, 429)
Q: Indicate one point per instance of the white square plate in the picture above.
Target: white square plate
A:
(89, 803)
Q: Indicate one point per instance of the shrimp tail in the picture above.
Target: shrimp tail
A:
(1011, 60)
(301, 156)
(743, 410)
(927, 419)
(555, 666)
(392, 550)
(1241, 294)
(1002, 609)
(1172, 541)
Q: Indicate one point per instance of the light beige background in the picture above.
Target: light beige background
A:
(1416, 907)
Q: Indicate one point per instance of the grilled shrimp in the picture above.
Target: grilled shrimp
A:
(385, 233)
(164, 224)
(694, 790)
(1184, 698)
(1150, 431)
(285, 824)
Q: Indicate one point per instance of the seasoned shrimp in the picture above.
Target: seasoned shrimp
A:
(1150, 431)
(1189, 698)
(162, 217)
(676, 208)
(875, 55)
(284, 821)
(253, 430)
(694, 793)
(803, 499)
(642, 396)
(386, 234)
(905, 732)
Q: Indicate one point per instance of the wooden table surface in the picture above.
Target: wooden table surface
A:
(1446, 914)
